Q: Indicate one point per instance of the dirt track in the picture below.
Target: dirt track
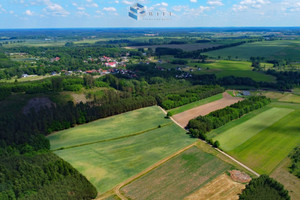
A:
(184, 117)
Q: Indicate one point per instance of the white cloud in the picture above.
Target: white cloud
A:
(80, 8)
(245, 4)
(117, 1)
(290, 6)
(215, 2)
(55, 9)
(110, 9)
(196, 11)
(179, 8)
(28, 12)
(89, 1)
(2, 9)
(193, 1)
(82, 13)
(93, 5)
(127, 2)
(164, 4)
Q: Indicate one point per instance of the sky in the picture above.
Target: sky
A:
(180, 13)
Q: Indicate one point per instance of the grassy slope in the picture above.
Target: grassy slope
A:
(224, 68)
(108, 164)
(108, 128)
(190, 170)
(195, 104)
(280, 49)
(239, 134)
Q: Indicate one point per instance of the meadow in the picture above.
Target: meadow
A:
(224, 68)
(195, 104)
(263, 140)
(113, 127)
(277, 49)
(109, 163)
(178, 177)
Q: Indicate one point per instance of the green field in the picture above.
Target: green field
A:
(262, 141)
(107, 163)
(278, 49)
(224, 68)
(195, 104)
(113, 127)
(239, 134)
(178, 177)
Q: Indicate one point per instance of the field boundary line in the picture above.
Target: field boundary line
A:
(112, 139)
(144, 172)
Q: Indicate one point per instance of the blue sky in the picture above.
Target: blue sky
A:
(114, 13)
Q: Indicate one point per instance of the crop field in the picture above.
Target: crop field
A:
(195, 104)
(233, 138)
(113, 127)
(178, 177)
(278, 49)
(221, 188)
(224, 68)
(184, 117)
(264, 140)
(108, 156)
(185, 47)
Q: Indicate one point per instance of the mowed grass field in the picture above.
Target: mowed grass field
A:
(239, 134)
(112, 127)
(178, 177)
(278, 49)
(264, 140)
(224, 68)
(195, 104)
(107, 163)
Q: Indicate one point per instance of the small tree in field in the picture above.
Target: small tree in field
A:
(216, 144)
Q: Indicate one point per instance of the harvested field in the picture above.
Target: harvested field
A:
(221, 188)
(184, 117)
(178, 177)
(185, 47)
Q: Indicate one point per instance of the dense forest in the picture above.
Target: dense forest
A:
(264, 188)
(295, 166)
(42, 175)
(190, 95)
(201, 125)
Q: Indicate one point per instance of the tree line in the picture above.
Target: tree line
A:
(190, 95)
